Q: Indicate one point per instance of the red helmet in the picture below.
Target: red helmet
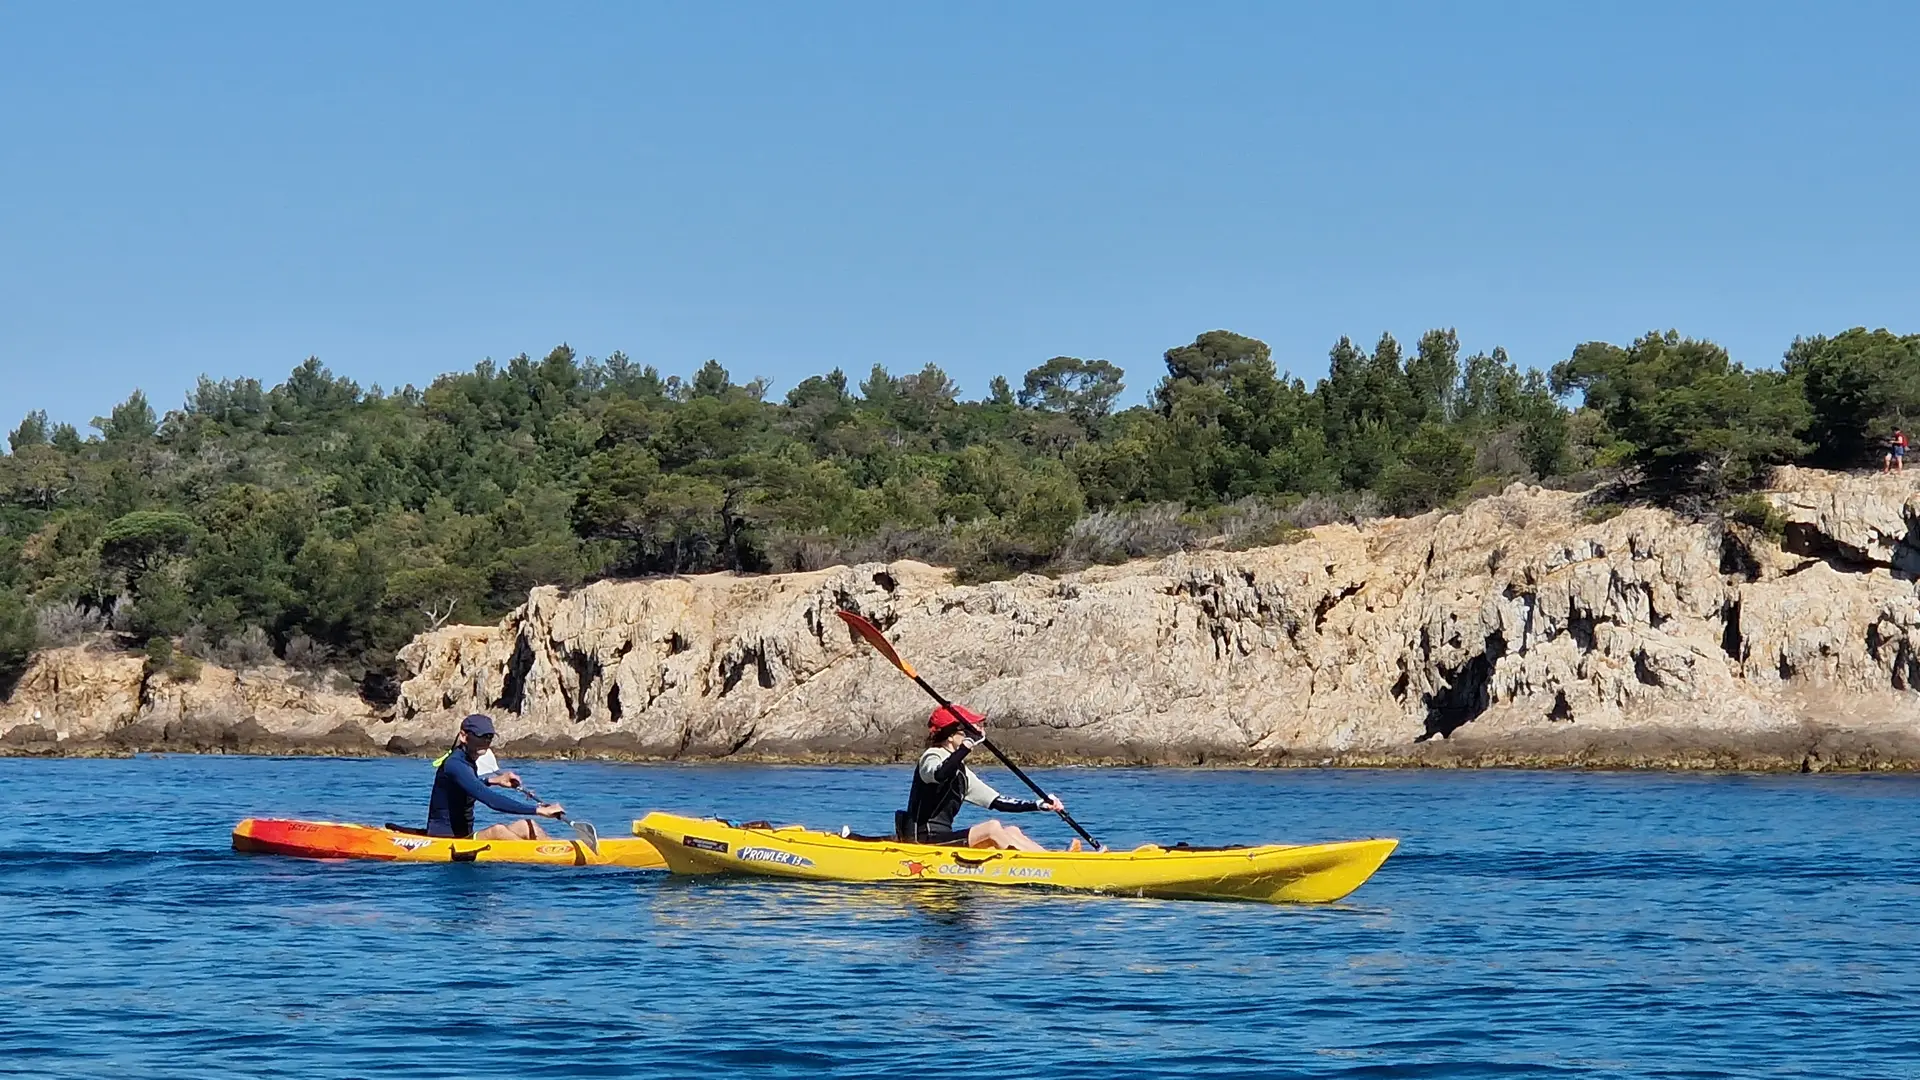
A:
(947, 715)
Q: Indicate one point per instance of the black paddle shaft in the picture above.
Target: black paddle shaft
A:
(1024, 778)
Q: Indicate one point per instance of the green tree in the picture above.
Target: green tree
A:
(1489, 389)
(824, 392)
(231, 404)
(131, 421)
(1229, 412)
(711, 381)
(1084, 390)
(1435, 468)
(617, 481)
(1697, 423)
(624, 378)
(925, 398)
(339, 585)
(161, 606)
(1543, 427)
(36, 475)
(1364, 407)
(1859, 386)
(312, 392)
(879, 389)
(136, 543)
(19, 636)
(1432, 373)
(32, 432)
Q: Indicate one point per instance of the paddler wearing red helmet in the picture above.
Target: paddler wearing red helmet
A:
(942, 781)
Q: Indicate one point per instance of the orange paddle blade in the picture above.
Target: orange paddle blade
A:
(878, 640)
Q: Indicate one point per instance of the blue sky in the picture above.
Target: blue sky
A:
(405, 189)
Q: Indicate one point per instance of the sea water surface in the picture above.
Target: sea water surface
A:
(1531, 924)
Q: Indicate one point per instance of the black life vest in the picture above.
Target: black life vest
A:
(931, 804)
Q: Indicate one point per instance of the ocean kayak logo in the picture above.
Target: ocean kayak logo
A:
(772, 855)
(411, 843)
(913, 868)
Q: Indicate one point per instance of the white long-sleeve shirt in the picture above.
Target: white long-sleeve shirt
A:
(978, 792)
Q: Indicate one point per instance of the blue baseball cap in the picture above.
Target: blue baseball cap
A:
(477, 725)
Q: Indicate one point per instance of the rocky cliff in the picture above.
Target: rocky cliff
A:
(1522, 629)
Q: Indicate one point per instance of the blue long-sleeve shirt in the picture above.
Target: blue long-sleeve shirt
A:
(456, 787)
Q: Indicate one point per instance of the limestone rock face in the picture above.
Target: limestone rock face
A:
(1863, 519)
(1512, 623)
(1519, 629)
(96, 697)
(77, 692)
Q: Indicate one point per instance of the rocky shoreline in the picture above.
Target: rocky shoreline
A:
(1527, 629)
(1817, 753)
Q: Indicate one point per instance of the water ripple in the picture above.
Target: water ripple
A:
(1536, 925)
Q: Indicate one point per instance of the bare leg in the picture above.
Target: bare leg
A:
(1020, 841)
(994, 834)
(523, 829)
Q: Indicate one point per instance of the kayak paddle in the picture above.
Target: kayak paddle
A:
(587, 833)
(879, 641)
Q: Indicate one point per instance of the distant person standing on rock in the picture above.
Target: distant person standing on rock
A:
(1896, 459)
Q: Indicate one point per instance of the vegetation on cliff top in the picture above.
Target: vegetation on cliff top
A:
(328, 524)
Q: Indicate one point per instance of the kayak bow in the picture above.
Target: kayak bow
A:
(1301, 873)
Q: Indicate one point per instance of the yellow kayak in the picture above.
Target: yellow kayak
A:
(339, 840)
(1305, 873)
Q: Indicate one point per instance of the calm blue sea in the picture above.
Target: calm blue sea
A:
(1531, 924)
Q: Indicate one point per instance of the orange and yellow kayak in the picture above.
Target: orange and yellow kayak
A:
(339, 840)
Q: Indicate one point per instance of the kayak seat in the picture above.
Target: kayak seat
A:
(394, 826)
(768, 826)
(1184, 846)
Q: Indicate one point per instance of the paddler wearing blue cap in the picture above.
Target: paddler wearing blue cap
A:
(457, 785)
(942, 781)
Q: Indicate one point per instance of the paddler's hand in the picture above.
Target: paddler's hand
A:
(509, 778)
(1053, 805)
(550, 809)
